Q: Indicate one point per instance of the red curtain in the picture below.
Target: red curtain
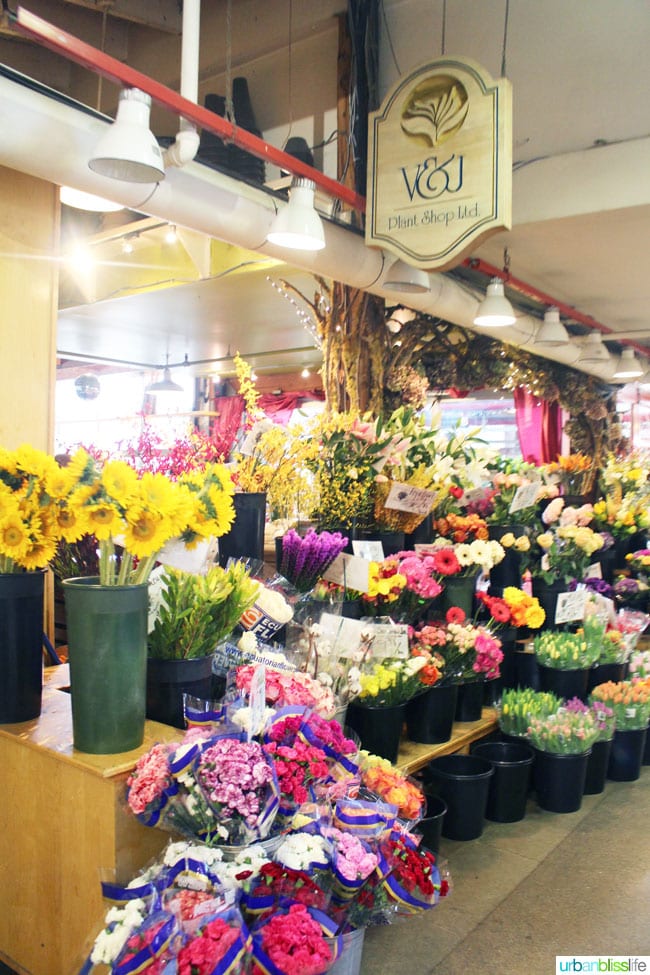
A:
(539, 427)
(280, 406)
(224, 426)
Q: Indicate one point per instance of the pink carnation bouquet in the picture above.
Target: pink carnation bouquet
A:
(284, 687)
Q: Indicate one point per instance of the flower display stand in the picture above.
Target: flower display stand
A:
(68, 819)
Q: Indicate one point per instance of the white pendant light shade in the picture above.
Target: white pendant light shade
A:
(551, 331)
(128, 150)
(87, 201)
(404, 277)
(165, 385)
(628, 366)
(593, 349)
(495, 311)
(297, 226)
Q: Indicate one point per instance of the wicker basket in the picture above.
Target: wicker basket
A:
(391, 519)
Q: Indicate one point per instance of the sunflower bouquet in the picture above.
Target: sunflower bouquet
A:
(134, 515)
(31, 482)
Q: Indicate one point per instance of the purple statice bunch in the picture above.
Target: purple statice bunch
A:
(594, 584)
(305, 559)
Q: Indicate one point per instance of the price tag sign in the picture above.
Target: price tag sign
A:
(349, 571)
(257, 700)
(570, 606)
(371, 550)
(594, 571)
(389, 641)
(525, 497)
(342, 633)
(404, 497)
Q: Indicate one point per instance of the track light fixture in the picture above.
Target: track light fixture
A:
(593, 349)
(495, 311)
(297, 226)
(551, 331)
(405, 278)
(628, 366)
(128, 150)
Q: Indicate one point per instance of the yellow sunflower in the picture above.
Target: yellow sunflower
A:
(103, 520)
(14, 539)
(120, 481)
(145, 532)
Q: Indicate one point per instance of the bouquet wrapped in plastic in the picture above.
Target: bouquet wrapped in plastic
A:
(218, 790)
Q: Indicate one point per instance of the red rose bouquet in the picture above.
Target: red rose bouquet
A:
(413, 882)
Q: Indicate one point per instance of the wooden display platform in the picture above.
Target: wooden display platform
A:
(65, 827)
(413, 757)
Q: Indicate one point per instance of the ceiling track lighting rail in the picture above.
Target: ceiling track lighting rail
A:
(108, 67)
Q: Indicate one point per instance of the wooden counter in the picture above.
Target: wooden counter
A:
(413, 757)
(64, 828)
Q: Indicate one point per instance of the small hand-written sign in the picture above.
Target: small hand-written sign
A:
(525, 497)
(570, 606)
(389, 640)
(440, 163)
(349, 571)
(343, 634)
(594, 571)
(405, 497)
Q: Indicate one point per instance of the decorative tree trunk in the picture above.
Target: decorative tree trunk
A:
(350, 326)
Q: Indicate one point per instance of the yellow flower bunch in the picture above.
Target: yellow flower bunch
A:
(247, 388)
(392, 681)
(31, 482)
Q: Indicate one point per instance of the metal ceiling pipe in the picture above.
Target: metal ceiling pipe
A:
(219, 206)
(186, 144)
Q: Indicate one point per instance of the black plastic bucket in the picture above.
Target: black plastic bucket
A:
(462, 781)
(430, 826)
(508, 788)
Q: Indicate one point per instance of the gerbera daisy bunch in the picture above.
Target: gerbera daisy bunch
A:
(32, 485)
(138, 513)
(466, 558)
(514, 608)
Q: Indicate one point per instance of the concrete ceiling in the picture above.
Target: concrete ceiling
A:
(581, 184)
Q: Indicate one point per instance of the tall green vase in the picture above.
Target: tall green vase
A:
(107, 651)
(459, 591)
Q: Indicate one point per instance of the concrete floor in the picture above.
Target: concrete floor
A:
(551, 884)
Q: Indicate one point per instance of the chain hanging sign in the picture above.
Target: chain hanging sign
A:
(440, 163)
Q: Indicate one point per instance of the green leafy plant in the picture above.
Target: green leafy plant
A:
(197, 611)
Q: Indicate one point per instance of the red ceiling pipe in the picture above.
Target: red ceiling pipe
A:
(103, 64)
(477, 264)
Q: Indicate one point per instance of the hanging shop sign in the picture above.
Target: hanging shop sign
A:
(440, 163)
